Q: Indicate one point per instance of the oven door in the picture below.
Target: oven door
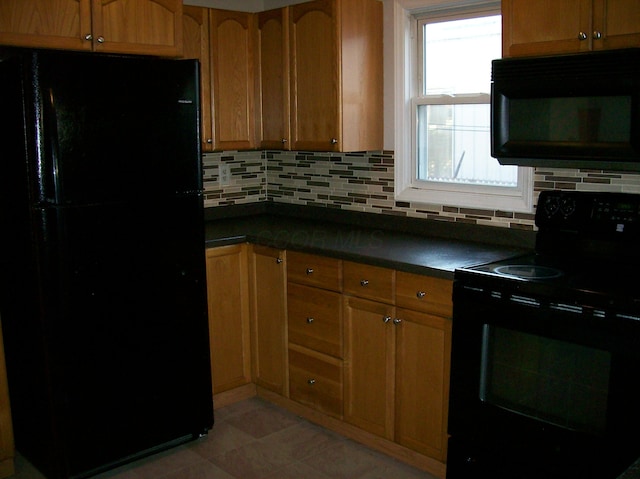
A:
(540, 388)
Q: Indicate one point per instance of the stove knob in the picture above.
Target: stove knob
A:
(567, 206)
(551, 205)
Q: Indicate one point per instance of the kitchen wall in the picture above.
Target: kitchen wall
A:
(365, 182)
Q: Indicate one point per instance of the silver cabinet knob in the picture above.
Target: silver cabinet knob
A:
(284, 140)
(420, 294)
(100, 39)
(333, 141)
(397, 321)
(209, 140)
(386, 319)
(582, 36)
(311, 382)
(278, 260)
(88, 37)
(309, 270)
(309, 320)
(364, 282)
(597, 35)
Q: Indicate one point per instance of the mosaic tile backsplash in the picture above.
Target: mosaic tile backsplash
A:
(365, 182)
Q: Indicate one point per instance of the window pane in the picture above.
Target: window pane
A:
(453, 139)
(458, 55)
(453, 146)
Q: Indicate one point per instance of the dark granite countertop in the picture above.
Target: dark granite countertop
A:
(417, 246)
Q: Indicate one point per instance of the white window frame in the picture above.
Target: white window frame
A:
(407, 189)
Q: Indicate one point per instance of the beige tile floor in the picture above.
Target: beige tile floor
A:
(254, 439)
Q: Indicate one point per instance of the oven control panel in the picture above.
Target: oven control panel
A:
(597, 212)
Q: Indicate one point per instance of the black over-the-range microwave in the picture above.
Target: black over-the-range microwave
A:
(568, 111)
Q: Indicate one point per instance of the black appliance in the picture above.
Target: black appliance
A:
(102, 267)
(546, 348)
(568, 111)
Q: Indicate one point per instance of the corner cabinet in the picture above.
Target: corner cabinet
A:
(330, 53)
(269, 318)
(148, 27)
(272, 69)
(568, 26)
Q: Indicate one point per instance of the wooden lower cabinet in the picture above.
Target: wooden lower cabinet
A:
(397, 378)
(422, 365)
(229, 326)
(359, 349)
(269, 318)
(370, 349)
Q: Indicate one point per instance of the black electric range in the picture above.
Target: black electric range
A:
(546, 348)
(587, 253)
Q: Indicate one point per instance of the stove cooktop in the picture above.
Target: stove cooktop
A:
(587, 253)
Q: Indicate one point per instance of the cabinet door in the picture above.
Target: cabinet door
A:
(152, 27)
(273, 79)
(46, 23)
(313, 50)
(369, 366)
(618, 22)
(195, 31)
(232, 45)
(545, 27)
(268, 300)
(229, 329)
(423, 350)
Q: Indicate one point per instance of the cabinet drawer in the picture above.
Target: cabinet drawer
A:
(424, 293)
(314, 270)
(316, 380)
(315, 319)
(371, 282)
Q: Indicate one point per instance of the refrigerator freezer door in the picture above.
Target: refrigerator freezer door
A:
(114, 128)
(129, 353)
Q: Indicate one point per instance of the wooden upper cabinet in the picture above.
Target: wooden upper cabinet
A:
(315, 124)
(46, 23)
(272, 55)
(335, 50)
(618, 22)
(137, 26)
(195, 30)
(547, 27)
(149, 27)
(232, 70)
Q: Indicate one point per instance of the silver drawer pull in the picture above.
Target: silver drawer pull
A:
(386, 319)
(311, 382)
(309, 270)
(420, 294)
(364, 282)
(309, 320)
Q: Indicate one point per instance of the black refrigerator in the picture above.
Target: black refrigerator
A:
(102, 261)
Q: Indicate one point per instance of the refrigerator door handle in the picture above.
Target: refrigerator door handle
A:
(48, 171)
